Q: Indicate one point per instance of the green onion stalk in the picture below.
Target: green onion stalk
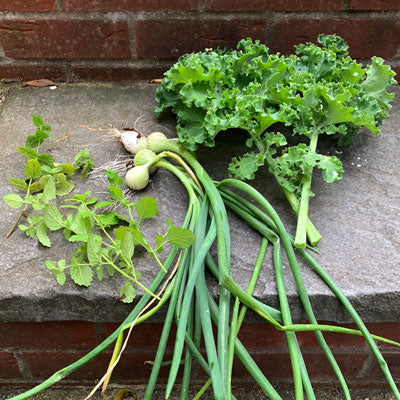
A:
(226, 280)
(272, 217)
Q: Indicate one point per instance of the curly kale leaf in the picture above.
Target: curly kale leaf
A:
(319, 89)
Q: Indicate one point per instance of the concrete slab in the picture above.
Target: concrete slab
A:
(358, 217)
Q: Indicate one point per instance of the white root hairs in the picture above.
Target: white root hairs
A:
(119, 165)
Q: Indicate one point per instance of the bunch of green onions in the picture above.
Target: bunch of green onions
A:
(184, 291)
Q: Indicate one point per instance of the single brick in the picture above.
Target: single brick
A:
(145, 335)
(48, 335)
(30, 72)
(129, 5)
(170, 38)
(260, 335)
(115, 74)
(64, 39)
(8, 365)
(273, 365)
(350, 364)
(366, 37)
(132, 366)
(374, 5)
(276, 5)
(27, 5)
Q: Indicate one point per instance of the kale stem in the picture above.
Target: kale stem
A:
(300, 239)
(313, 235)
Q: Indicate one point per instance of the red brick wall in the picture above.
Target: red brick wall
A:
(31, 352)
(123, 40)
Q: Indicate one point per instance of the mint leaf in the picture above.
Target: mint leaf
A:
(49, 191)
(60, 276)
(146, 207)
(114, 178)
(128, 293)
(108, 219)
(68, 169)
(37, 120)
(116, 193)
(41, 233)
(18, 183)
(52, 217)
(180, 237)
(84, 161)
(94, 249)
(128, 246)
(46, 160)
(159, 241)
(64, 185)
(33, 169)
(138, 238)
(81, 274)
(28, 152)
(13, 200)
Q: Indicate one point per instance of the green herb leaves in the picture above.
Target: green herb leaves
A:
(105, 240)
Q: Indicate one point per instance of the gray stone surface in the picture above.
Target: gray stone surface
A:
(358, 216)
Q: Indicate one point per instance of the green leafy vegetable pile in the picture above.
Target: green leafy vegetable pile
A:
(318, 90)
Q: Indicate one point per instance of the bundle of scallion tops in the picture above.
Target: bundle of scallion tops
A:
(185, 292)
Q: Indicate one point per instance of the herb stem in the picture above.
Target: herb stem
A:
(21, 214)
(110, 262)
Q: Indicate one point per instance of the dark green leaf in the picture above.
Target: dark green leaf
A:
(46, 160)
(34, 141)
